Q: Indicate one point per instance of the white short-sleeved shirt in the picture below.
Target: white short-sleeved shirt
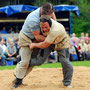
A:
(32, 23)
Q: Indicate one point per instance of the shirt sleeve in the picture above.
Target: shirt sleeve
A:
(51, 37)
(34, 26)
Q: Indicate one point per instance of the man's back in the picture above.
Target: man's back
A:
(32, 23)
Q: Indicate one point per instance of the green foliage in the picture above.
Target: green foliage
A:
(81, 24)
(39, 2)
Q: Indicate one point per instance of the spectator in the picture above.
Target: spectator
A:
(87, 41)
(3, 31)
(3, 46)
(86, 36)
(11, 50)
(82, 36)
(88, 52)
(74, 38)
(72, 51)
(83, 49)
(11, 30)
(78, 50)
(88, 47)
(2, 56)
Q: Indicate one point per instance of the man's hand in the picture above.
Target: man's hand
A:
(9, 55)
(31, 46)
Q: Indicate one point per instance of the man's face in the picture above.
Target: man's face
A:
(44, 26)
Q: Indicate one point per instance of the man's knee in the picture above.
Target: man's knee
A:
(23, 64)
(65, 62)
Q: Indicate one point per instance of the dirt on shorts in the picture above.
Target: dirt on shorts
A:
(47, 79)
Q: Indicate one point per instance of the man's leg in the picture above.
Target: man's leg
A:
(22, 66)
(66, 65)
(40, 59)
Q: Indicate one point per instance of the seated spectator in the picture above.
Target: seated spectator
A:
(2, 56)
(3, 46)
(11, 50)
(78, 50)
(88, 52)
(3, 31)
(83, 49)
(72, 51)
(11, 30)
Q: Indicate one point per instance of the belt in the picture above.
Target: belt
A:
(30, 38)
(33, 40)
(62, 40)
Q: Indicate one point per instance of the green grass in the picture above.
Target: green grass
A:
(51, 65)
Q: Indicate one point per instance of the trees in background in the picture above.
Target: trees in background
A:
(81, 24)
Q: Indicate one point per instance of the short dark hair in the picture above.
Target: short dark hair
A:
(47, 8)
(45, 18)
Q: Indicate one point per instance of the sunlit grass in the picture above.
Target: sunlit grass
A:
(51, 65)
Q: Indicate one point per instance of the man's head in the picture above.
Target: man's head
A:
(47, 9)
(11, 43)
(45, 23)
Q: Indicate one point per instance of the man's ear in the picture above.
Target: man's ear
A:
(50, 22)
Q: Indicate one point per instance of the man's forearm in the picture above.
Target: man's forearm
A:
(40, 38)
(14, 53)
(39, 45)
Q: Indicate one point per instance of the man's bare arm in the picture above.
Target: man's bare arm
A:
(37, 36)
(39, 45)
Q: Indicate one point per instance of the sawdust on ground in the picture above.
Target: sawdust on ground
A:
(47, 79)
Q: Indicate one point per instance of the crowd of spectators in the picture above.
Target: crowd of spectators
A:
(81, 45)
(11, 30)
(79, 48)
(9, 50)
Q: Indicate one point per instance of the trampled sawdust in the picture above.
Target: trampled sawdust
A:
(47, 79)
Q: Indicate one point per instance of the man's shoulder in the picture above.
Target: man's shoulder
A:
(57, 25)
(33, 15)
(33, 18)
